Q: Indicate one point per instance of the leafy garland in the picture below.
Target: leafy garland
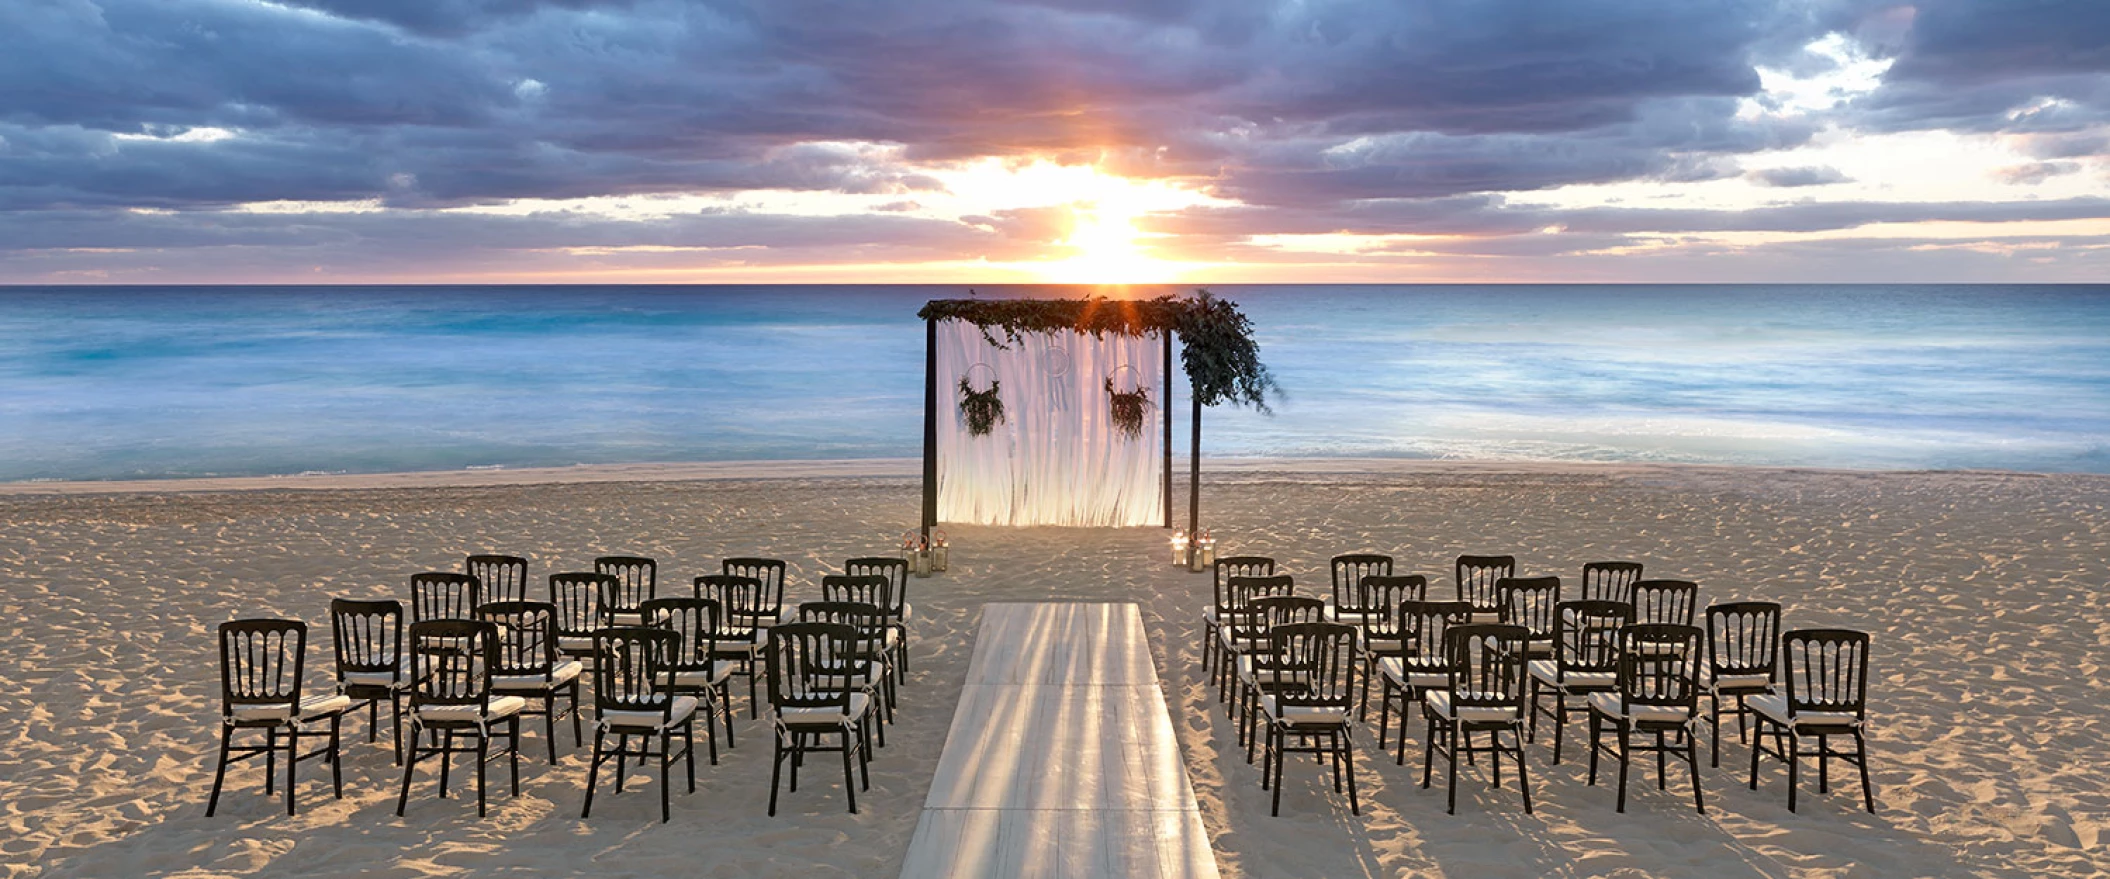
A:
(1221, 358)
(984, 410)
(1127, 409)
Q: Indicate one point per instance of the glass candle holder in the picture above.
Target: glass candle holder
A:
(940, 552)
(1179, 548)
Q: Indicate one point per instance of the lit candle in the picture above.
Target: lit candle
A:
(940, 552)
(1208, 552)
(1179, 548)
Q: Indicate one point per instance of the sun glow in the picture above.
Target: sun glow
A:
(1087, 218)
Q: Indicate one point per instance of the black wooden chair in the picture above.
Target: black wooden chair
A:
(1475, 577)
(1825, 696)
(769, 600)
(1668, 602)
(636, 582)
(1420, 667)
(1531, 602)
(443, 595)
(1348, 572)
(1585, 661)
(529, 665)
(697, 666)
(808, 703)
(634, 697)
(576, 595)
(368, 636)
(1658, 694)
(1219, 603)
(262, 662)
(865, 660)
(1485, 664)
(1743, 658)
(1241, 631)
(741, 635)
(894, 600)
(499, 577)
(1253, 664)
(1309, 687)
(452, 697)
(1383, 632)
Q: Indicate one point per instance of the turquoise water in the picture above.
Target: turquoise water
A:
(153, 382)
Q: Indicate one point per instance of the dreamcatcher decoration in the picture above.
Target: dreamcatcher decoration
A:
(1057, 363)
(983, 410)
(1126, 410)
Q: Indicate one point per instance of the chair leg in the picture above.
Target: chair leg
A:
(1692, 759)
(410, 766)
(395, 716)
(1662, 783)
(1277, 743)
(1794, 752)
(1348, 754)
(1624, 760)
(292, 762)
(219, 774)
(776, 769)
(1715, 715)
(593, 771)
(513, 751)
(725, 707)
(688, 752)
(483, 752)
(446, 759)
(336, 755)
(1523, 780)
(1560, 721)
(666, 750)
(849, 789)
(270, 761)
(1868, 791)
(1596, 738)
(1450, 738)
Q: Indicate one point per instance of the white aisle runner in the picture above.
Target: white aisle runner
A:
(1061, 760)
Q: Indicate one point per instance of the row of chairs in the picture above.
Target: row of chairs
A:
(1627, 653)
(656, 668)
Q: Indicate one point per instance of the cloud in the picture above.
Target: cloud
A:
(1796, 177)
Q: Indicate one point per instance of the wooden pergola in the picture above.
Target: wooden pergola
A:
(1222, 363)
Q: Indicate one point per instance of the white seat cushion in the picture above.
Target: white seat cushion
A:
(705, 677)
(1487, 617)
(908, 611)
(575, 643)
(1304, 715)
(1546, 671)
(1736, 682)
(498, 708)
(1381, 645)
(684, 708)
(1608, 704)
(1439, 701)
(1353, 617)
(560, 674)
(1417, 674)
(1774, 706)
(626, 618)
(377, 679)
(826, 716)
(311, 708)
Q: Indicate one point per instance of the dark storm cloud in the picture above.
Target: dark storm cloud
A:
(1335, 114)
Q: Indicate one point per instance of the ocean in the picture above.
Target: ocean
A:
(172, 382)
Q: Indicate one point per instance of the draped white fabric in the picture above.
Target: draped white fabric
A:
(1056, 459)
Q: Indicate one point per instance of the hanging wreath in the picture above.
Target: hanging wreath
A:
(1127, 408)
(983, 409)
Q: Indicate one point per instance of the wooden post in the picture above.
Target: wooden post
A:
(1167, 407)
(1194, 478)
(930, 427)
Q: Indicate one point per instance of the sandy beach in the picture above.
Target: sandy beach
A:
(1987, 595)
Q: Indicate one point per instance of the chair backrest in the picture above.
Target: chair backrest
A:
(894, 570)
(698, 622)
(454, 660)
(1312, 666)
(1826, 669)
(631, 669)
(769, 601)
(867, 619)
(443, 595)
(1380, 595)
(1586, 635)
(1348, 573)
(1486, 664)
(526, 633)
(577, 598)
(1664, 601)
(261, 662)
(502, 577)
(805, 659)
(1609, 581)
(1239, 593)
(1424, 624)
(368, 636)
(1530, 602)
(1269, 611)
(1743, 638)
(1235, 566)
(1475, 577)
(636, 582)
(739, 600)
(1659, 665)
(869, 589)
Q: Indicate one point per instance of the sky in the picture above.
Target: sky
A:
(1090, 141)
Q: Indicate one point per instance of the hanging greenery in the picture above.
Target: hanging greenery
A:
(984, 410)
(1221, 359)
(1127, 409)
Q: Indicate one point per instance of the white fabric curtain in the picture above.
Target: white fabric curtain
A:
(1056, 459)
